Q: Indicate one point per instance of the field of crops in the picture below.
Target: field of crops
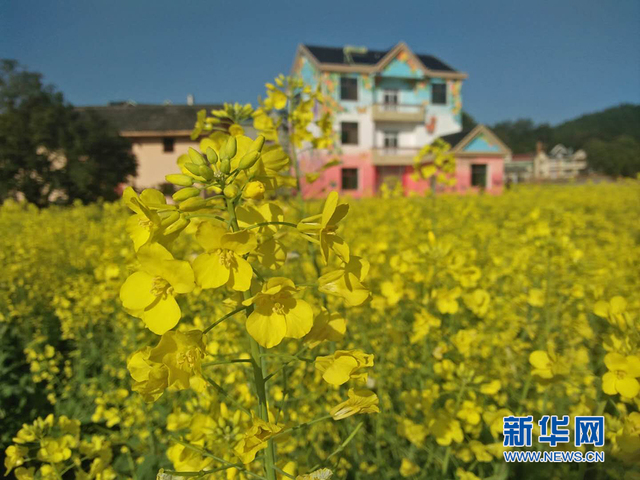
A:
(399, 358)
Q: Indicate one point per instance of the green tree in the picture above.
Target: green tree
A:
(49, 151)
(620, 156)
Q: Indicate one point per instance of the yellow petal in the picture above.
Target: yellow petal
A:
(151, 257)
(601, 308)
(628, 387)
(240, 278)
(179, 274)
(139, 233)
(209, 236)
(299, 319)
(609, 383)
(239, 242)
(615, 361)
(539, 359)
(267, 330)
(135, 292)
(163, 315)
(329, 208)
(209, 272)
(340, 370)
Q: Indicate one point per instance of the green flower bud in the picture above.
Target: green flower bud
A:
(193, 168)
(257, 144)
(196, 157)
(185, 193)
(191, 204)
(229, 149)
(177, 226)
(169, 219)
(231, 191)
(212, 156)
(206, 172)
(225, 166)
(179, 179)
(248, 160)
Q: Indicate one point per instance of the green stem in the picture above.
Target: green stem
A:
(204, 453)
(341, 447)
(226, 395)
(447, 454)
(220, 320)
(259, 367)
(293, 359)
(264, 224)
(301, 425)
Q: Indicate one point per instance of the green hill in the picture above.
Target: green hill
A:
(610, 137)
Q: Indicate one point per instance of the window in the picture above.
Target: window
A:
(349, 133)
(438, 93)
(390, 99)
(479, 176)
(348, 88)
(349, 179)
(167, 144)
(390, 140)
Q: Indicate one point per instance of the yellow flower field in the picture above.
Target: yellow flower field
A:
(383, 340)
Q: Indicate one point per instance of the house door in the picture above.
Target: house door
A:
(479, 175)
(389, 176)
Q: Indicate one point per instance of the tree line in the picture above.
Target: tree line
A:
(610, 137)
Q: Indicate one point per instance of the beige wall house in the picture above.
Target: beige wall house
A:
(159, 134)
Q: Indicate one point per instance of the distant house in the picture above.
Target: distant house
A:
(561, 163)
(387, 105)
(158, 133)
(519, 168)
(480, 157)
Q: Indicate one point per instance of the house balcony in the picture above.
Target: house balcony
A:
(389, 156)
(393, 112)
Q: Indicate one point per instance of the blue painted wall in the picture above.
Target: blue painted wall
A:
(481, 144)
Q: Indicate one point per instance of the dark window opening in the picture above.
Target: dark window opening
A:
(348, 88)
(349, 132)
(439, 93)
(168, 144)
(349, 179)
(479, 176)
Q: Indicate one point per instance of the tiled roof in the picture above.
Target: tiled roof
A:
(336, 55)
(454, 139)
(128, 117)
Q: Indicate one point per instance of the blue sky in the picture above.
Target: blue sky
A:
(545, 60)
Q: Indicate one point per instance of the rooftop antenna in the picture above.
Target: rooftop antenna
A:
(349, 50)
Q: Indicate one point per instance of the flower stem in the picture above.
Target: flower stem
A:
(220, 320)
(259, 368)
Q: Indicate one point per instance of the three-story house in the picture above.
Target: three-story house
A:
(386, 105)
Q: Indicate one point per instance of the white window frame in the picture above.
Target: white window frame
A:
(391, 134)
(390, 93)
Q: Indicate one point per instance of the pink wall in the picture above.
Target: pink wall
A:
(495, 173)
(331, 179)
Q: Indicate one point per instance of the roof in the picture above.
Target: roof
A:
(455, 138)
(128, 117)
(335, 58)
(459, 141)
(371, 57)
(523, 157)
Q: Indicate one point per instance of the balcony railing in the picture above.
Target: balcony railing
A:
(394, 155)
(396, 112)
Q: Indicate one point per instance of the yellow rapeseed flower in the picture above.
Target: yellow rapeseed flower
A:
(277, 313)
(150, 293)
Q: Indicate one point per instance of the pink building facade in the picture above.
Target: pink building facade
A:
(480, 158)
